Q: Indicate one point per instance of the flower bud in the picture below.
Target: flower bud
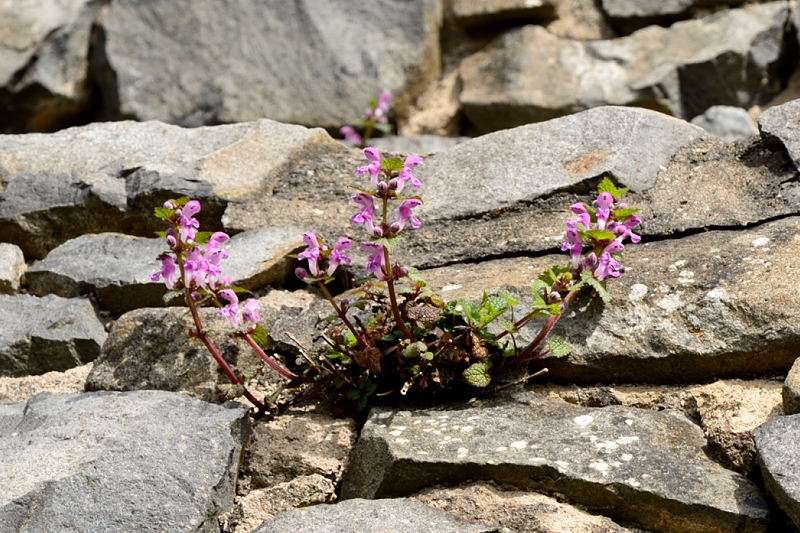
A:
(555, 297)
(301, 273)
(378, 232)
(382, 186)
(393, 184)
(403, 271)
(168, 205)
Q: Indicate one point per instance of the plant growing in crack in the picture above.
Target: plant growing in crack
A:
(392, 334)
(376, 117)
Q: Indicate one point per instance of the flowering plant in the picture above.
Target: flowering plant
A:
(376, 117)
(392, 334)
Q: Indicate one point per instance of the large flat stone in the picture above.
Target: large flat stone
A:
(638, 466)
(779, 458)
(39, 335)
(119, 462)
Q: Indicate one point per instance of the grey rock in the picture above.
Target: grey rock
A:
(119, 462)
(776, 441)
(370, 516)
(116, 268)
(631, 15)
(683, 70)
(12, 266)
(422, 145)
(160, 61)
(147, 349)
(44, 81)
(726, 122)
(299, 444)
(685, 310)
(483, 13)
(779, 124)
(637, 466)
(791, 391)
(109, 177)
(39, 335)
(296, 313)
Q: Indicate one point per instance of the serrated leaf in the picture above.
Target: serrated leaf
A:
(240, 290)
(598, 235)
(507, 325)
(554, 309)
(389, 243)
(551, 275)
(608, 186)
(508, 298)
(477, 374)
(622, 214)
(260, 336)
(164, 213)
(171, 295)
(598, 286)
(393, 163)
(162, 234)
(182, 201)
(539, 302)
(201, 237)
(558, 348)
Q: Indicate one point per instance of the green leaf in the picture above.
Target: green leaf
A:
(393, 163)
(598, 235)
(508, 298)
(428, 356)
(240, 290)
(622, 214)
(507, 325)
(558, 348)
(385, 128)
(608, 186)
(182, 201)
(551, 275)
(202, 237)
(259, 336)
(164, 213)
(181, 339)
(414, 349)
(477, 374)
(353, 394)
(171, 295)
(538, 302)
(162, 234)
(588, 279)
(554, 309)
(389, 243)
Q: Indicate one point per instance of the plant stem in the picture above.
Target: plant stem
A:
(343, 316)
(551, 321)
(393, 298)
(275, 366)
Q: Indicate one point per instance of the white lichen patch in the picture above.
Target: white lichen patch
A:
(519, 445)
(676, 265)
(607, 445)
(473, 418)
(462, 452)
(600, 466)
(402, 441)
(686, 277)
(670, 302)
(626, 457)
(395, 433)
(632, 482)
(627, 440)
(638, 292)
(418, 421)
(761, 241)
(538, 459)
(467, 429)
(583, 420)
(452, 287)
(629, 421)
(500, 449)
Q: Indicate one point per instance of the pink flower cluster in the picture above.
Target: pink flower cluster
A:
(377, 114)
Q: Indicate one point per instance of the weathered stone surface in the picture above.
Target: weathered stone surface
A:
(581, 20)
(43, 67)
(631, 15)
(119, 462)
(726, 122)
(482, 13)
(293, 312)
(727, 410)
(422, 145)
(109, 177)
(370, 516)
(779, 458)
(12, 266)
(688, 309)
(791, 391)
(516, 510)
(161, 61)
(637, 466)
(682, 70)
(39, 335)
(116, 268)
(144, 351)
(18, 390)
(299, 444)
(779, 124)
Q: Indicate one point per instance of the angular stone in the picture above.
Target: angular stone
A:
(146, 349)
(44, 81)
(779, 458)
(117, 268)
(302, 58)
(779, 124)
(685, 310)
(108, 177)
(12, 266)
(726, 122)
(515, 510)
(631, 15)
(581, 20)
(39, 335)
(422, 145)
(370, 516)
(119, 462)
(483, 13)
(637, 466)
(791, 391)
(723, 59)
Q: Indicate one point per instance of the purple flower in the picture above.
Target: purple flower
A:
(301, 273)
(232, 308)
(196, 267)
(168, 270)
(250, 313)
(382, 108)
(366, 213)
(312, 253)
(338, 256)
(606, 266)
(614, 247)
(406, 174)
(351, 136)
(376, 262)
(575, 246)
(374, 167)
(404, 215)
(583, 216)
(189, 224)
(604, 202)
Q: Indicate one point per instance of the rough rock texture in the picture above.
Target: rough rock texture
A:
(147, 349)
(779, 124)
(779, 458)
(631, 15)
(791, 391)
(727, 122)
(294, 62)
(12, 266)
(108, 177)
(515, 510)
(119, 462)
(44, 46)
(16, 390)
(472, 13)
(117, 268)
(39, 335)
(683, 70)
(640, 467)
(687, 309)
(370, 516)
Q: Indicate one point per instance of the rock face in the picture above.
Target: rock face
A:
(161, 62)
(44, 334)
(119, 462)
(595, 457)
(779, 458)
(682, 70)
(726, 122)
(12, 266)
